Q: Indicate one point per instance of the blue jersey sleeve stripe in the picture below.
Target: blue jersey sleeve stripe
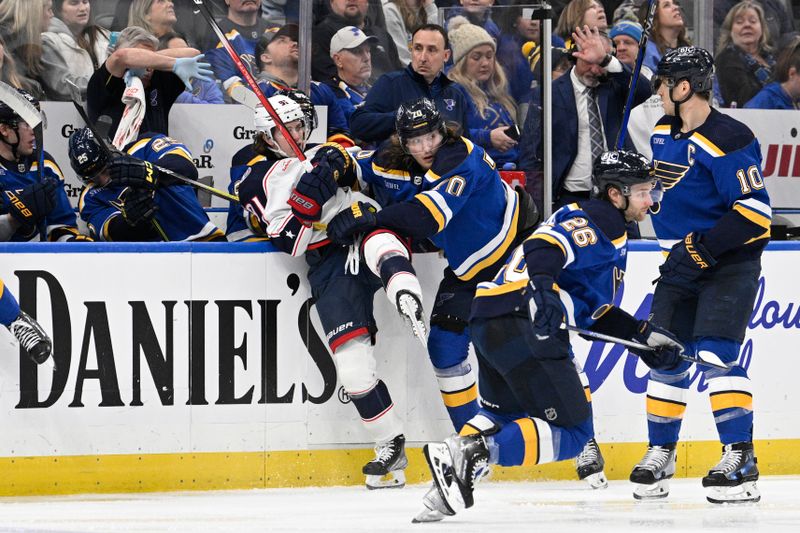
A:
(712, 149)
(553, 237)
(434, 210)
(54, 167)
(757, 206)
(752, 216)
(391, 173)
(496, 248)
(179, 150)
(138, 145)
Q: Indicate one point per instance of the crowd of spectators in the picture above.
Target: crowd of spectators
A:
(480, 62)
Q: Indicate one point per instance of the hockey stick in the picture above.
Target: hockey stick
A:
(626, 112)
(637, 345)
(32, 116)
(183, 179)
(223, 39)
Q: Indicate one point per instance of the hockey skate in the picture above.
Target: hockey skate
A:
(31, 337)
(734, 478)
(456, 465)
(386, 470)
(410, 308)
(653, 472)
(589, 465)
(435, 509)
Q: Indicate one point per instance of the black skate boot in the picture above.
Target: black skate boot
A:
(653, 472)
(31, 337)
(589, 465)
(409, 306)
(457, 464)
(734, 478)
(386, 470)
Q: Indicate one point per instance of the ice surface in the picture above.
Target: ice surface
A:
(544, 507)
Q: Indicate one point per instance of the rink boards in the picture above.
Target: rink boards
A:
(203, 366)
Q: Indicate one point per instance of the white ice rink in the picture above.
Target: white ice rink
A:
(544, 507)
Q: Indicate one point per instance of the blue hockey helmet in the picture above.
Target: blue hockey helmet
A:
(690, 63)
(417, 117)
(86, 156)
(621, 169)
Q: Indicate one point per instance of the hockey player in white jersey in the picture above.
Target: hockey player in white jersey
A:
(292, 201)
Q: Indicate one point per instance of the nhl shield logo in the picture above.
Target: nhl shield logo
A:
(550, 413)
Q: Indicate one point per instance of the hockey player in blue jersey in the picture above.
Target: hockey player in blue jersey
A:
(714, 222)
(32, 338)
(434, 184)
(533, 406)
(34, 206)
(126, 198)
(291, 201)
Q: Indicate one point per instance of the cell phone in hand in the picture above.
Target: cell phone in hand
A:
(512, 131)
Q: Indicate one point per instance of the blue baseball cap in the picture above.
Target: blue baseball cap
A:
(627, 27)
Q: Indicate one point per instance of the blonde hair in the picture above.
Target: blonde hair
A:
(412, 18)
(138, 15)
(573, 16)
(495, 90)
(8, 73)
(23, 20)
(726, 38)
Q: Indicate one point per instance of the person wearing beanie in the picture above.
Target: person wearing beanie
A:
(490, 107)
(626, 36)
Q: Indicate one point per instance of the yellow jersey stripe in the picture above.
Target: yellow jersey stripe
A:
(727, 400)
(457, 399)
(138, 144)
(663, 129)
(390, 171)
(255, 160)
(181, 152)
(752, 216)
(588, 392)
(501, 289)
(433, 208)
(707, 145)
(664, 408)
(550, 239)
(531, 437)
(499, 253)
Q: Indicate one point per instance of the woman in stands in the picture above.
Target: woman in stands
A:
(156, 16)
(744, 62)
(580, 13)
(669, 31)
(73, 48)
(491, 108)
(405, 16)
(21, 25)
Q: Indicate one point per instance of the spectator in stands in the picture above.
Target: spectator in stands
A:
(477, 12)
(242, 18)
(194, 28)
(280, 12)
(350, 51)
(744, 61)
(33, 206)
(163, 77)
(490, 106)
(374, 121)
(203, 91)
(156, 16)
(587, 114)
(517, 30)
(779, 23)
(9, 74)
(784, 93)
(580, 13)
(277, 60)
(351, 13)
(405, 16)
(73, 48)
(21, 25)
(669, 31)
(626, 35)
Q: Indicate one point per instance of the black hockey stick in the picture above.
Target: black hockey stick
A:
(111, 151)
(626, 112)
(637, 345)
(202, 8)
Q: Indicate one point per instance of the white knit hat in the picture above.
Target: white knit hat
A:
(465, 36)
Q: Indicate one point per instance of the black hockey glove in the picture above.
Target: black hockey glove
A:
(340, 162)
(667, 352)
(137, 206)
(545, 308)
(312, 191)
(34, 202)
(360, 218)
(687, 260)
(127, 171)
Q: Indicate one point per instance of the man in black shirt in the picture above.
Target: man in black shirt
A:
(164, 75)
(244, 16)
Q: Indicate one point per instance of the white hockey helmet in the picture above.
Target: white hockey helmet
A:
(287, 110)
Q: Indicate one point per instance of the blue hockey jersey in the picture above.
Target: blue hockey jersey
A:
(61, 224)
(180, 217)
(242, 225)
(712, 185)
(592, 242)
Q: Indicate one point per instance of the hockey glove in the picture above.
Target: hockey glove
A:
(127, 171)
(312, 191)
(668, 350)
(687, 260)
(340, 162)
(546, 310)
(137, 206)
(34, 202)
(360, 218)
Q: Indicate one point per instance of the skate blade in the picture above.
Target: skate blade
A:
(435, 509)
(597, 481)
(408, 310)
(396, 479)
(428, 515)
(440, 464)
(747, 492)
(656, 491)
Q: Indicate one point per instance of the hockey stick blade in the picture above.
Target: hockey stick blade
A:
(22, 107)
(639, 346)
